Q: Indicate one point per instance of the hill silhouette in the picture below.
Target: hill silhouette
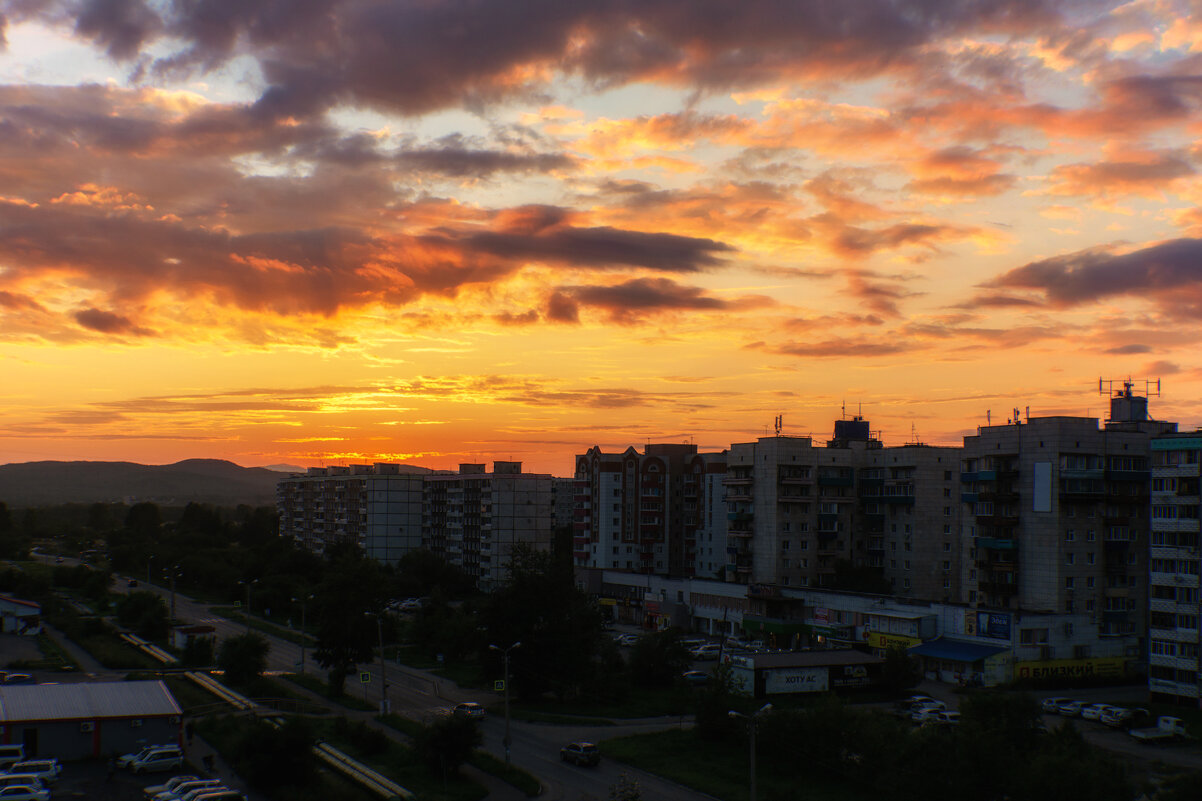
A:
(212, 481)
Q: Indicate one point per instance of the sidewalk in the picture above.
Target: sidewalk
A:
(87, 663)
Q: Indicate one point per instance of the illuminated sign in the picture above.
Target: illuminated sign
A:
(878, 639)
(1070, 668)
(795, 680)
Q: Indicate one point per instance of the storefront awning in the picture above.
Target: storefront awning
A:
(955, 650)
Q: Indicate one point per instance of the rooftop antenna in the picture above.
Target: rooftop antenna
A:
(1028, 414)
(780, 422)
(1017, 416)
(988, 417)
(844, 410)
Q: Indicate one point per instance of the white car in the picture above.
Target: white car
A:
(187, 788)
(1070, 709)
(1052, 705)
(23, 792)
(946, 718)
(1094, 711)
(124, 760)
(168, 786)
(48, 770)
(706, 652)
(924, 712)
(167, 757)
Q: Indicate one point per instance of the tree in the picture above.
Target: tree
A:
(900, 670)
(270, 758)
(447, 743)
(243, 657)
(198, 652)
(145, 614)
(558, 625)
(346, 634)
(658, 659)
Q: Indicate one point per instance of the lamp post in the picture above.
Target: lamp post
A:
(173, 574)
(247, 613)
(383, 667)
(149, 562)
(303, 602)
(505, 654)
(752, 720)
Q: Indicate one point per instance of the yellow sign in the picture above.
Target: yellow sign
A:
(1070, 668)
(878, 639)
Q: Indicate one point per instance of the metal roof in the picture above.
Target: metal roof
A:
(955, 650)
(86, 701)
(825, 658)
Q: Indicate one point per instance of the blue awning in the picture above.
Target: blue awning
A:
(955, 650)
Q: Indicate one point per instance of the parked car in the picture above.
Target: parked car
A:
(906, 703)
(1070, 709)
(705, 652)
(1167, 728)
(580, 753)
(1121, 718)
(124, 760)
(22, 792)
(184, 788)
(470, 710)
(1052, 705)
(1093, 711)
(946, 718)
(168, 786)
(48, 770)
(221, 795)
(18, 678)
(157, 759)
(201, 792)
(695, 678)
(692, 642)
(927, 712)
(626, 640)
(11, 754)
(21, 780)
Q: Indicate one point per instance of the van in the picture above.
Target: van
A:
(166, 758)
(11, 755)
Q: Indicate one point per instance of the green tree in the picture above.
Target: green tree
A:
(900, 670)
(144, 519)
(346, 634)
(714, 702)
(198, 652)
(145, 614)
(658, 659)
(243, 658)
(272, 759)
(558, 625)
(446, 743)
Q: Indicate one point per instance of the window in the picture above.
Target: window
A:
(947, 547)
(947, 511)
(947, 565)
(784, 546)
(1032, 636)
(947, 475)
(1068, 582)
(1090, 536)
(906, 583)
(1069, 535)
(947, 528)
(1070, 558)
(1089, 558)
(907, 564)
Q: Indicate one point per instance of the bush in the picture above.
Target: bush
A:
(447, 743)
(365, 739)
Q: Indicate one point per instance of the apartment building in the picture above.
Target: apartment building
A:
(642, 511)
(473, 518)
(850, 513)
(1055, 518)
(1173, 606)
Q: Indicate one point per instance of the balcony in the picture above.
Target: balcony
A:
(836, 481)
(995, 544)
(740, 517)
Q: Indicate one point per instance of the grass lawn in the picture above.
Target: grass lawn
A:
(719, 770)
(463, 673)
(258, 624)
(640, 703)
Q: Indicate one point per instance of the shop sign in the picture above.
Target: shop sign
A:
(822, 615)
(1070, 668)
(850, 676)
(879, 639)
(795, 680)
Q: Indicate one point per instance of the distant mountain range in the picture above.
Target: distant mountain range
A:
(202, 480)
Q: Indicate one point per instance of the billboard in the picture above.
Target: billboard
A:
(879, 639)
(795, 680)
(995, 625)
(1071, 668)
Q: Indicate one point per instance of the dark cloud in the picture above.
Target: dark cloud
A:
(417, 57)
(999, 301)
(562, 309)
(601, 248)
(630, 300)
(1162, 367)
(121, 27)
(108, 322)
(1170, 272)
(1126, 350)
(841, 348)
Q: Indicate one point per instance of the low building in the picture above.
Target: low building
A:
(88, 719)
(765, 674)
(19, 617)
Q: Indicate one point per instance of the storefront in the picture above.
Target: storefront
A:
(962, 662)
(764, 675)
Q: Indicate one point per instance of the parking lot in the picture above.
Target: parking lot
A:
(90, 779)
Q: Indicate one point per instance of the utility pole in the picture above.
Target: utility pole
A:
(752, 721)
(505, 655)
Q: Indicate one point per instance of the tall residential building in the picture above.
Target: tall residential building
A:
(852, 514)
(1055, 517)
(642, 511)
(1173, 614)
(472, 518)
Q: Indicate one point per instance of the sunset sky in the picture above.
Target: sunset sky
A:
(328, 232)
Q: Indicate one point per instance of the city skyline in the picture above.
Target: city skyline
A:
(353, 231)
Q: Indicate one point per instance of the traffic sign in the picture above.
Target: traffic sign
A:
(365, 677)
(498, 685)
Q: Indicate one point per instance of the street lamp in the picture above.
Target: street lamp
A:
(505, 653)
(303, 602)
(752, 720)
(248, 584)
(149, 562)
(173, 574)
(383, 667)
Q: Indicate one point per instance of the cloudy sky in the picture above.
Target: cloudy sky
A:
(331, 231)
